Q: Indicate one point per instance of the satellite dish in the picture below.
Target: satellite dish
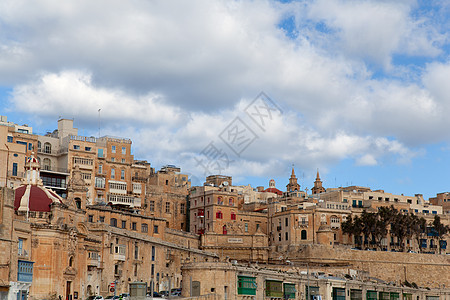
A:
(225, 183)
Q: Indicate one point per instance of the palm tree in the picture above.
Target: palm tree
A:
(398, 229)
(418, 227)
(440, 230)
(386, 217)
(352, 228)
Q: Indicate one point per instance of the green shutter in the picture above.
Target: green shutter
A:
(289, 290)
(246, 285)
(274, 288)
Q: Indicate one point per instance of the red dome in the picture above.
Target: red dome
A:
(274, 190)
(34, 198)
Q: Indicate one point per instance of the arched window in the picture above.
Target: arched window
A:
(78, 203)
(113, 222)
(224, 229)
(220, 200)
(231, 201)
(71, 261)
(47, 147)
(304, 235)
(47, 164)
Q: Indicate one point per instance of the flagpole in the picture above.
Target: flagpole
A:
(99, 122)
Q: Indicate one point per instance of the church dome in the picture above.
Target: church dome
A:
(32, 195)
(34, 198)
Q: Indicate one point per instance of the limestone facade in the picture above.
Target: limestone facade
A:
(167, 192)
(233, 281)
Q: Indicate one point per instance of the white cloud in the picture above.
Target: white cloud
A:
(377, 29)
(73, 93)
(172, 75)
(366, 160)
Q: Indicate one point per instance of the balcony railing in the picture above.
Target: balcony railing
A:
(16, 174)
(124, 200)
(54, 169)
(83, 138)
(25, 271)
(49, 151)
(139, 178)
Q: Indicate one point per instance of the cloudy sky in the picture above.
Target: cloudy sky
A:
(358, 89)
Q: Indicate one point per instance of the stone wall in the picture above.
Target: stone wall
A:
(426, 270)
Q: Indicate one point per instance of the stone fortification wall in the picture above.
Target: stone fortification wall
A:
(426, 270)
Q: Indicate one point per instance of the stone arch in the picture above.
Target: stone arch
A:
(71, 261)
(82, 228)
(46, 164)
(78, 202)
(47, 147)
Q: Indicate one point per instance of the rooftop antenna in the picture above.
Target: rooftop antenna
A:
(99, 122)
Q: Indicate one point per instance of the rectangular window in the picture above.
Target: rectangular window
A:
(182, 208)
(102, 219)
(113, 159)
(14, 170)
(153, 270)
(87, 148)
(124, 150)
(123, 160)
(246, 227)
(124, 224)
(76, 147)
(91, 218)
(113, 173)
(122, 174)
(167, 207)
(20, 245)
(30, 146)
(155, 228)
(10, 139)
(100, 169)
(134, 226)
(152, 205)
(136, 251)
(153, 253)
(144, 227)
(100, 153)
(113, 149)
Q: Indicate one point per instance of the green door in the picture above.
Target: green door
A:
(338, 293)
(371, 295)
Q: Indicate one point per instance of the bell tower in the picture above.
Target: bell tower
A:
(293, 184)
(318, 188)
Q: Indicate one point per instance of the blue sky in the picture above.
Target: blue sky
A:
(357, 89)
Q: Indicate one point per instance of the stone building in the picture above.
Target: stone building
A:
(167, 193)
(314, 224)
(212, 209)
(16, 143)
(70, 248)
(228, 280)
(443, 200)
(16, 265)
